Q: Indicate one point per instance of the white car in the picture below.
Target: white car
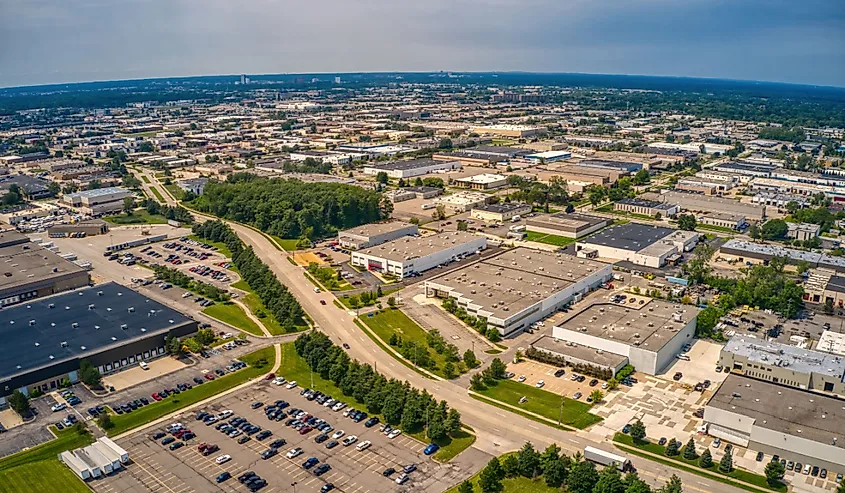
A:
(521, 378)
(604, 385)
(58, 407)
(347, 412)
(395, 433)
(234, 433)
(338, 406)
(291, 384)
(225, 414)
(329, 403)
(294, 452)
(349, 440)
(338, 434)
(223, 459)
(540, 384)
(279, 380)
(364, 445)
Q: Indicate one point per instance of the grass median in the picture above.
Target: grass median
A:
(256, 306)
(512, 485)
(259, 363)
(294, 367)
(158, 195)
(548, 239)
(222, 249)
(542, 402)
(233, 315)
(37, 470)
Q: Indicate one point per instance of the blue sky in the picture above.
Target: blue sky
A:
(52, 41)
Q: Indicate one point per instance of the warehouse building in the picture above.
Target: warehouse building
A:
(411, 168)
(703, 203)
(697, 186)
(520, 286)
(463, 201)
(785, 365)
(724, 220)
(797, 425)
(759, 251)
(779, 200)
(98, 459)
(646, 207)
(31, 271)
(97, 201)
(90, 227)
(572, 225)
(484, 181)
(499, 213)
(410, 256)
(837, 194)
(110, 325)
(370, 235)
(620, 166)
(640, 244)
(507, 130)
(547, 157)
(648, 335)
(823, 285)
(745, 168)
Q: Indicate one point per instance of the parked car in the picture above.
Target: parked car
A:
(431, 449)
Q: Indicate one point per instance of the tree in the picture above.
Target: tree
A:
(754, 231)
(469, 359)
(445, 144)
(642, 177)
(550, 455)
(582, 478)
(774, 472)
(105, 422)
(706, 459)
(510, 466)
(354, 301)
(490, 479)
(382, 177)
(726, 465)
(89, 374)
(529, 461)
(687, 222)
(774, 229)
(391, 302)
(570, 208)
(841, 488)
(453, 422)
(672, 486)
(610, 481)
(476, 382)
(638, 431)
(466, 487)
(498, 368)
(673, 448)
(635, 484)
(689, 450)
(612, 383)
(439, 213)
(449, 370)
(462, 225)
(19, 402)
(556, 472)
(146, 147)
(596, 396)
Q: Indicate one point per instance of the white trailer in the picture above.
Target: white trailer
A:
(90, 463)
(607, 458)
(74, 464)
(103, 462)
(109, 454)
(124, 456)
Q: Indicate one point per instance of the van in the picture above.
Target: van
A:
(144, 365)
(316, 290)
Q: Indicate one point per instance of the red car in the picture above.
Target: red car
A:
(156, 396)
(210, 450)
(201, 447)
(270, 376)
(304, 430)
(209, 376)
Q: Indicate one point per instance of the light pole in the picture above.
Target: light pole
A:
(560, 414)
(294, 486)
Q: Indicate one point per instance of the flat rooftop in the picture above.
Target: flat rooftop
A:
(650, 325)
(97, 192)
(483, 178)
(631, 236)
(515, 279)
(26, 263)
(606, 163)
(502, 207)
(29, 345)
(568, 222)
(792, 411)
(406, 165)
(791, 357)
(646, 203)
(376, 229)
(603, 358)
(410, 247)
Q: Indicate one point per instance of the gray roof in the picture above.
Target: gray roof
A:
(30, 345)
(97, 192)
(664, 206)
(794, 255)
(502, 207)
(791, 357)
(631, 236)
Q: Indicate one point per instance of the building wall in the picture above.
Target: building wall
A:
(490, 217)
(724, 223)
(402, 268)
(410, 173)
(631, 256)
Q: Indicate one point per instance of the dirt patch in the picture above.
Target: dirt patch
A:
(304, 259)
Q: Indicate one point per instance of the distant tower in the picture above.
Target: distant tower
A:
(337, 80)
(243, 78)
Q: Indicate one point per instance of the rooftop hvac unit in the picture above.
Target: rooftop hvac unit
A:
(91, 306)
(32, 322)
(75, 325)
(51, 305)
(124, 326)
(83, 348)
(64, 344)
(131, 309)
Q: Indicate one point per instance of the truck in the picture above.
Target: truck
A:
(604, 458)
(174, 223)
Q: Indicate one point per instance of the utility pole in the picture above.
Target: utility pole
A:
(560, 414)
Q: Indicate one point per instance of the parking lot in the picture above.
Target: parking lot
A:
(157, 468)
(534, 371)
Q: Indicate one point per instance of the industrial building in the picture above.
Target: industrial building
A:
(646, 207)
(704, 203)
(506, 130)
(639, 244)
(484, 181)
(463, 201)
(785, 365)
(647, 335)
(794, 424)
(697, 186)
(90, 227)
(370, 235)
(31, 270)
(413, 255)
(499, 213)
(620, 166)
(723, 220)
(779, 200)
(572, 225)
(194, 185)
(837, 194)
(824, 285)
(98, 201)
(520, 286)
(745, 168)
(110, 325)
(803, 231)
(547, 157)
(411, 168)
(759, 251)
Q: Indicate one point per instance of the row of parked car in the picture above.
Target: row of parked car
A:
(814, 471)
(206, 271)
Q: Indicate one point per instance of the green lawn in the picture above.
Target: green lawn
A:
(525, 415)
(222, 249)
(542, 402)
(287, 245)
(293, 367)
(175, 191)
(513, 485)
(158, 194)
(256, 306)
(140, 216)
(720, 229)
(693, 467)
(548, 239)
(155, 410)
(37, 470)
(393, 321)
(146, 180)
(232, 314)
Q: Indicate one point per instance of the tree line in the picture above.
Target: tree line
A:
(291, 208)
(477, 323)
(275, 296)
(177, 213)
(400, 404)
(557, 470)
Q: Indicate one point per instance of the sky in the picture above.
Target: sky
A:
(55, 41)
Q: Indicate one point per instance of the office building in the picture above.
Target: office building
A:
(519, 287)
(646, 207)
(647, 335)
(724, 220)
(803, 231)
(194, 185)
(484, 181)
(572, 225)
(413, 255)
(370, 235)
(110, 325)
(501, 212)
(411, 168)
(651, 246)
(98, 201)
(463, 201)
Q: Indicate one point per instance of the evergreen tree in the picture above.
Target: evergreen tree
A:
(491, 476)
(453, 422)
(556, 472)
(466, 487)
(706, 459)
(726, 465)
(673, 485)
(529, 461)
(638, 431)
(582, 478)
(476, 382)
(673, 448)
(549, 456)
(689, 450)
(610, 481)
(510, 466)
(498, 368)
(774, 472)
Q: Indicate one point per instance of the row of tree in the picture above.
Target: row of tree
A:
(291, 208)
(477, 323)
(275, 296)
(176, 213)
(400, 404)
(557, 470)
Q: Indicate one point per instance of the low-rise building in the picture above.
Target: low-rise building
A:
(765, 252)
(651, 246)
(518, 287)
(194, 185)
(724, 220)
(424, 192)
(501, 212)
(803, 231)
(98, 200)
(484, 181)
(463, 201)
(619, 166)
(506, 130)
(547, 157)
(413, 255)
(646, 207)
(572, 225)
(370, 235)
(696, 202)
(697, 186)
(411, 168)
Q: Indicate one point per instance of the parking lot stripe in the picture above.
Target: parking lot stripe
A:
(154, 477)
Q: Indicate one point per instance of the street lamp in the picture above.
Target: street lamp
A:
(560, 414)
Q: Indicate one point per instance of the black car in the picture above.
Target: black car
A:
(281, 442)
(326, 488)
(264, 435)
(159, 436)
(270, 452)
(560, 373)
(594, 382)
(257, 485)
(223, 476)
(177, 445)
(332, 444)
(388, 472)
(256, 405)
(245, 476)
(168, 441)
(321, 438)
(371, 422)
(322, 469)
(198, 380)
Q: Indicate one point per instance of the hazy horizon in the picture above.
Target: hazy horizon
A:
(51, 42)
